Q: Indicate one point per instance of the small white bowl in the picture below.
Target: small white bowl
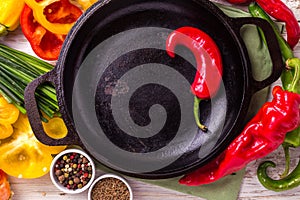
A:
(110, 176)
(58, 184)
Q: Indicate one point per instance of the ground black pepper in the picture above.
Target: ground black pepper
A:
(73, 170)
(110, 189)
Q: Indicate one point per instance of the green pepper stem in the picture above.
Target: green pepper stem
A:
(196, 114)
(3, 30)
(286, 149)
(295, 64)
(290, 181)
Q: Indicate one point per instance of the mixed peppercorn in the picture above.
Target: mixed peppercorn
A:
(73, 170)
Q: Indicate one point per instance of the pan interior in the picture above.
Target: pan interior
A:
(131, 103)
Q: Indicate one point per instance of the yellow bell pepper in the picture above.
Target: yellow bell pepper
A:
(10, 11)
(55, 128)
(22, 155)
(8, 115)
(6, 130)
(8, 112)
(40, 12)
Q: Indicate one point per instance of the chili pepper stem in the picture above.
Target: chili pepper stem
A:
(295, 64)
(290, 181)
(286, 148)
(3, 30)
(196, 114)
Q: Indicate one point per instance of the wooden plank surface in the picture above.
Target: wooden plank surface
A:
(42, 188)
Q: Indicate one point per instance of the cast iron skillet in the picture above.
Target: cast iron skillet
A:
(172, 150)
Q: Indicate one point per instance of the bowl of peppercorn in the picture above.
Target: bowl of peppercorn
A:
(110, 186)
(72, 171)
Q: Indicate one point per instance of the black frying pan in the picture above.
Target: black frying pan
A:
(93, 82)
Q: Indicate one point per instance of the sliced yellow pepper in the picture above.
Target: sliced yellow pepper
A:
(8, 115)
(8, 112)
(55, 128)
(22, 155)
(10, 11)
(40, 12)
(6, 130)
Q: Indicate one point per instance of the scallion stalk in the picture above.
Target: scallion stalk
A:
(17, 70)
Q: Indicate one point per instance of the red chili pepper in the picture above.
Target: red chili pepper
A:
(262, 135)
(44, 43)
(207, 55)
(280, 11)
(208, 60)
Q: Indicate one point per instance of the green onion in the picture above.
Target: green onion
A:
(17, 70)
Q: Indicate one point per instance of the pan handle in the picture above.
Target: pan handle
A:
(273, 47)
(34, 115)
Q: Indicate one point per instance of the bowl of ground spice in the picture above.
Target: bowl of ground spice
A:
(72, 171)
(110, 187)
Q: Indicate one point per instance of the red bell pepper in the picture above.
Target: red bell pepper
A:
(208, 59)
(261, 136)
(44, 43)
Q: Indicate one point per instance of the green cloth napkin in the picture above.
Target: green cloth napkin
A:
(228, 187)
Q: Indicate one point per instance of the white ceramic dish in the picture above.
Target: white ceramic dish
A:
(109, 176)
(58, 184)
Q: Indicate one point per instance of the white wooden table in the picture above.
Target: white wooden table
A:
(42, 188)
